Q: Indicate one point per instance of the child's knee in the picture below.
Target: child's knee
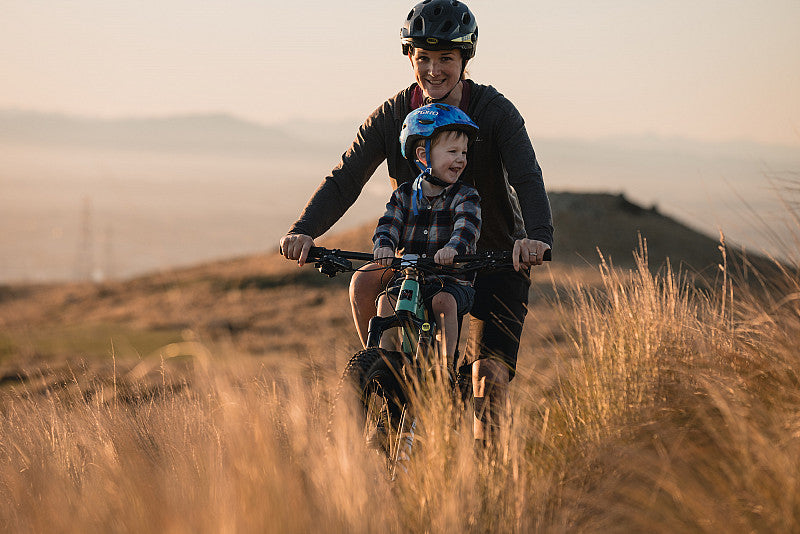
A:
(384, 306)
(444, 303)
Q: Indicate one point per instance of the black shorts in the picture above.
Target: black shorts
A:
(463, 294)
(496, 319)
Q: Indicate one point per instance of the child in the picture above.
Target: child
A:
(435, 215)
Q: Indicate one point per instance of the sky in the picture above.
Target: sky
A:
(713, 70)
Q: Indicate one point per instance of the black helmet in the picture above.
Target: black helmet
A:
(440, 25)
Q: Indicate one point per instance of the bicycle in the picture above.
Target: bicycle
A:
(385, 380)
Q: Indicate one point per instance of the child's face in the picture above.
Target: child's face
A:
(449, 156)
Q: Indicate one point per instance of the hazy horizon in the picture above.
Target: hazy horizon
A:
(689, 106)
(159, 195)
(713, 71)
(319, 135)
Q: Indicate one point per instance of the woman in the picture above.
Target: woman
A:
(439, 38)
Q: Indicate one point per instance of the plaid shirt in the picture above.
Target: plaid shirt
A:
(451, 219)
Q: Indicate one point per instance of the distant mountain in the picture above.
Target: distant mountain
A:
(186, 133)
(219, 132)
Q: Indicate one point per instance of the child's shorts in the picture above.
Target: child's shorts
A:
(462, 293)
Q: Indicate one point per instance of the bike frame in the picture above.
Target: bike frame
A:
(411, 315)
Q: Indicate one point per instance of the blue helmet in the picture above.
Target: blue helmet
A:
(427, 121)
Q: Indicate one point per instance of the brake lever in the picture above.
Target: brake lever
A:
(331, 265)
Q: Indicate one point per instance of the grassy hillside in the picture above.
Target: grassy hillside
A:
(658, 408)
(646, 401)
(254, 303)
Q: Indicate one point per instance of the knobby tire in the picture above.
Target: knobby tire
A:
(387, 423)
(351, 383)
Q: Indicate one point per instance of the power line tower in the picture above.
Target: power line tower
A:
(84, 262)
(109, 272)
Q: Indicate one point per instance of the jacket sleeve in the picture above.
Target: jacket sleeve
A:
(390, 226)
(525, 175)
(340, 189)
(466, 223)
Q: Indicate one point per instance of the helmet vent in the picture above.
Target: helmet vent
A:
(437, 11)
(410, 14)
(466, 18)
(425, 121)
(418, 25)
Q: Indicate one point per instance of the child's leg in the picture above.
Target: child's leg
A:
(444, 303)
(365, 285)
(389, 337)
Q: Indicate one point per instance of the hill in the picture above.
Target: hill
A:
(613, 225)
(653, 406)
(586, 223)
(263, 305)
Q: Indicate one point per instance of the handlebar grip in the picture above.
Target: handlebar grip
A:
(317, 253)
(501, 255)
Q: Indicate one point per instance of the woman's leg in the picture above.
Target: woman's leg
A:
(490, 390)
(494, 332)
(444, 304)
(365, 285)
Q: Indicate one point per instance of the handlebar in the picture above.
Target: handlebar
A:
(317, 253)
(333, 261)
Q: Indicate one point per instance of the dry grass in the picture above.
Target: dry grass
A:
(673, 407)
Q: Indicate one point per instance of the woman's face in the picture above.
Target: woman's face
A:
(437, 71)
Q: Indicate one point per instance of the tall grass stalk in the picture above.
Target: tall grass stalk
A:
(671, 412)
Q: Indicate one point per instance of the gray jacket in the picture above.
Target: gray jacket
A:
(501, 165)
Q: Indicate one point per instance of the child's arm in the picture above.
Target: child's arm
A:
(466, 223)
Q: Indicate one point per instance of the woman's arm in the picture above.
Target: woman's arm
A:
(524, 175)
(340, 189)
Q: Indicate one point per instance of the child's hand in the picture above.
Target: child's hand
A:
(444, 256)
(383, 256)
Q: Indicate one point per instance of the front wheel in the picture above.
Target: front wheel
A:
(388, 424)
(351, 384)
(357, 367)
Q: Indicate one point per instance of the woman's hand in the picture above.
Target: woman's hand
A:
(296, 247)
(528, 252)
(383, 256)
(444, 256)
